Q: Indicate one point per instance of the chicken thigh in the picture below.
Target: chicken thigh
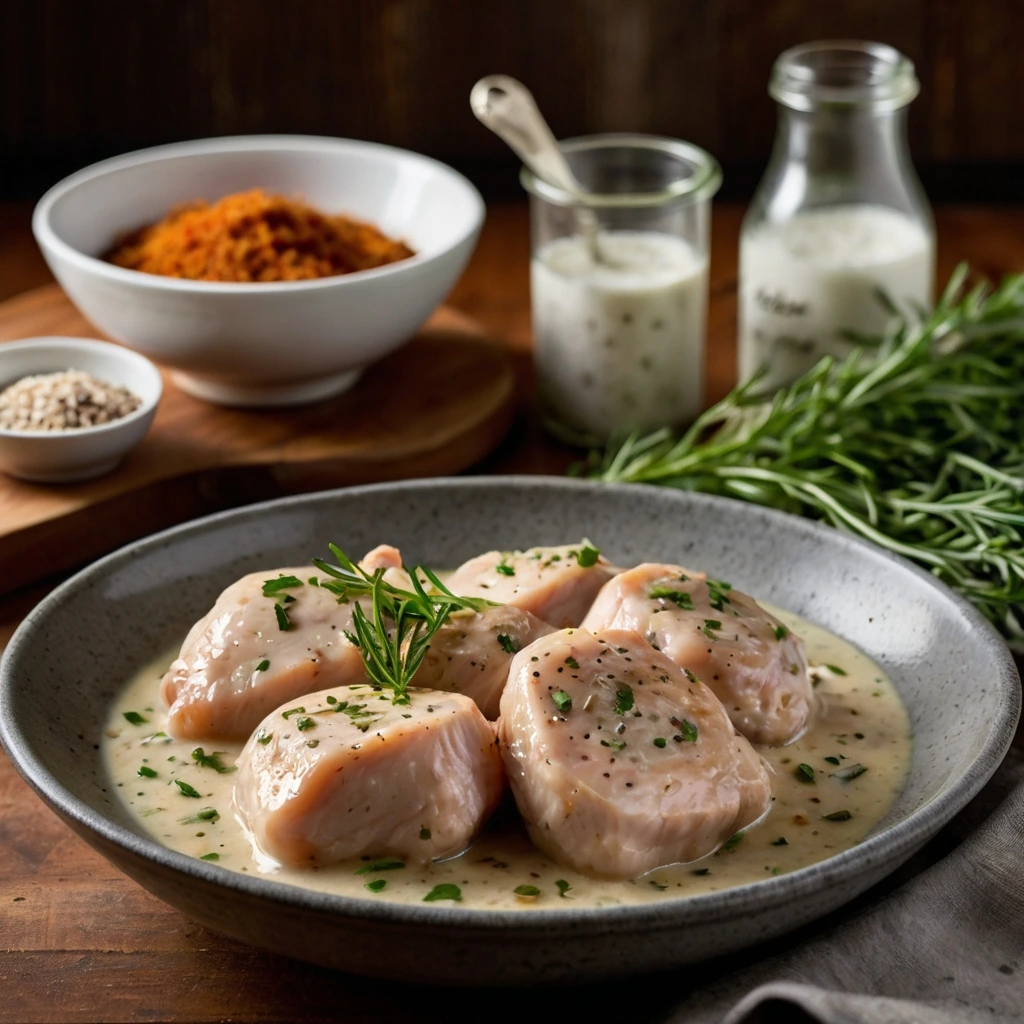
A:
(619, 761)
(269, 638)
(472, 651)
(754, 665)
(347, 773)
(555, 584)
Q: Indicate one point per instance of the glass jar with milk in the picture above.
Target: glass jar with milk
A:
(620, 288)
(839, 213)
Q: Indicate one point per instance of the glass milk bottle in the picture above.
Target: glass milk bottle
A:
(839, 214)
(619, 326)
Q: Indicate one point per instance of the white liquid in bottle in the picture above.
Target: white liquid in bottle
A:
(620, 345)
(804, 281)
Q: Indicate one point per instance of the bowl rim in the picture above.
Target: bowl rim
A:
(48, 239)
(895, 841)
(63, 343)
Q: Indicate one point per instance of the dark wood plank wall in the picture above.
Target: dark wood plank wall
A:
(83, 79)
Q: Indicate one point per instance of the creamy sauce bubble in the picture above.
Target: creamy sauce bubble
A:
(860, 723)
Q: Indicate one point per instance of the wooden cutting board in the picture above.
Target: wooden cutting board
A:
(433, 408)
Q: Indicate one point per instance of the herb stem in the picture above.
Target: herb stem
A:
(914, 442)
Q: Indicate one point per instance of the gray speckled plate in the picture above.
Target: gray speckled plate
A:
(75, 650)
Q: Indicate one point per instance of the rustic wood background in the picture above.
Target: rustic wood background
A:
(84, 80)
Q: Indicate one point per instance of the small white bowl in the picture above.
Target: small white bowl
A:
(81, 453)
(262, 344)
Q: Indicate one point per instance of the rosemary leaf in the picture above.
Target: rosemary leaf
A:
(914, 442)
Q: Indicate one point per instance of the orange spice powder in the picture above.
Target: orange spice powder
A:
(255, 236)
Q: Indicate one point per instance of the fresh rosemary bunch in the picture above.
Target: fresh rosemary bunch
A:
(394, 637)
(913, 442)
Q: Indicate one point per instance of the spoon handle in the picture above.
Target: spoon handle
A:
(508, 108)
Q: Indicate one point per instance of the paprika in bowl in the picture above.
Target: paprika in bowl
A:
(262, 343)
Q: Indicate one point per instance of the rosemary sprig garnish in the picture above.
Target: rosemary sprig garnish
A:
(394, 637)
(915, 442)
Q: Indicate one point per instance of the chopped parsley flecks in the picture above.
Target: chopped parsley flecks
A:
(701, 871)
(302, 724)
(444, 891)
(781, 632)
(186, 790)
(156, 737)
(384, 864)
(213, 761)
(146, 772)
(361, 718)
(718, 593)
(134, 718)
(709, 626)
(623, 700)
(572, 662)
(207, 814)
(273, 587)
(562, 886)
(530, 891)
(688, 732)
(679, 597)
(660, 741)
(661, 887)
(506, 570)
(781, 841)
(615, 745)
(838, 816)
(263, 665)
(562, 700)
(210, 856)
(832, 760)
(732, 842)
(292, 711)
(804, 773)
(377, 885)
(507, 643)
(587, 555)
(283, 622)
(263, 737)
(836, 670)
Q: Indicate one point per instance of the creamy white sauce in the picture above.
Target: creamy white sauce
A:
(860, 720)
(815, 275)
(620, 344)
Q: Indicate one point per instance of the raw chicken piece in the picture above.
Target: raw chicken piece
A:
(549, 582)
(618, 761)
(472, 652)
(349, 774)
(237, 664)
(754, 665)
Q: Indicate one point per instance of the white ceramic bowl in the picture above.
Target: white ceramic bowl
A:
(80, 454)
(278, 343)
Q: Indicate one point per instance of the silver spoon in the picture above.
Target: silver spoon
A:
(508, 108)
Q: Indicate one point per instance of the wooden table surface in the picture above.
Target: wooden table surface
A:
(80, 942)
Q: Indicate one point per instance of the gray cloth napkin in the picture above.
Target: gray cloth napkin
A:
(946, 946)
